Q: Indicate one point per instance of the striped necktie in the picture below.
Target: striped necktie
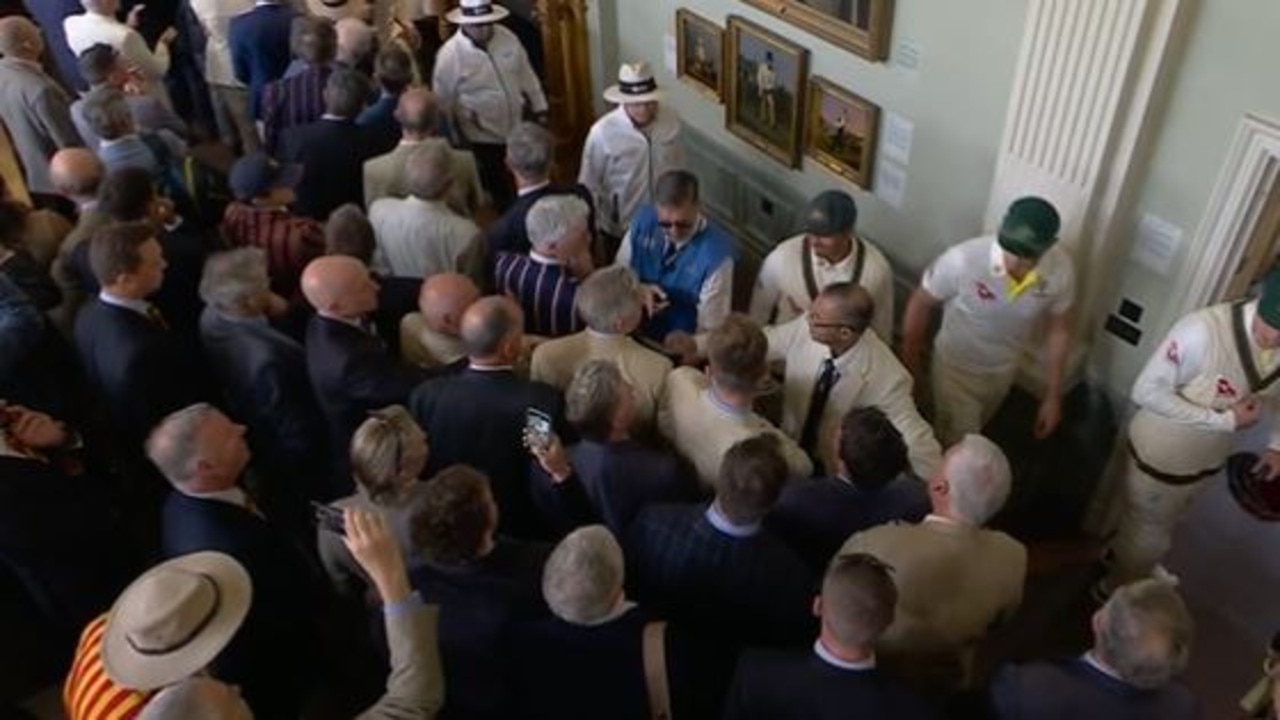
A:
(157, 317)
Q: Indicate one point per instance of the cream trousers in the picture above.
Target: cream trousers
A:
(964, 400)
(1152, 510)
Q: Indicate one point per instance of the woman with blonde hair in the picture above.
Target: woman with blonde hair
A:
(388, 453)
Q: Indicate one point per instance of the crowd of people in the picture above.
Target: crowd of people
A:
(385, 406)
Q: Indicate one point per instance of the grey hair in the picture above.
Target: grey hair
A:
(196, 698)
(1145, 633)
(171, 447)
(355, 39)
(979, 478)
(609, 298)
(582, 579)
(106, 110)
(235, 278)
(484, 338)
(428, 171)
(592, 398)
(529, 150)
(554, 219)
(345, 93)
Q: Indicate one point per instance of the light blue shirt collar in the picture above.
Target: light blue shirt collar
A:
(139, 306)
(1092, 661)
(829, 657)
(722, 523)
(722, 406)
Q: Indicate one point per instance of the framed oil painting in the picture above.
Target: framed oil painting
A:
(700, 53)
(841, 132)
(765, 93)
(859, 26)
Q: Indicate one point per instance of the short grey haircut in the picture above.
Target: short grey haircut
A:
(609, 298)
(196, 698)
(582, 579)
(355, 39)
(345, 93)
(554, 219)
(106, 110)
(592, 398)
(171, 447)
(1145, 633)
(979, 477)
(529, 150)
(232, 280)
(428, 171)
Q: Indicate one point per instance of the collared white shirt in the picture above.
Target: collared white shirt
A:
(715, 299)
(829, 657)
(621, 164)
(1092, 661)
(484, 89)
(532, 188)
(231, 496)
(538, 257)
(142, 307)
(781, 292)
(419, 238)
(941, 520)
(869, 376)
(726, 526)
(88, 29)
(215, 19)
(623, 608)
(985, 326)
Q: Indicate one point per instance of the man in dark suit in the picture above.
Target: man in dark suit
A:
(619, 475)
(485, 584)
(133, 361)
(477, 416)
(203, 455)
(529, 156)
(350, 369)
(263, 376)
(348, 232)
(816, 515)
(49, 15)
(260, 49)
(715, 567)
(1142, 641)
(332, 150)
(394, 74)
(58, 531)
(296, 100)
(838, 677)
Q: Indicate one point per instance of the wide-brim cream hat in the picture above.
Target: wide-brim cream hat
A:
(476, 12)
(635, 85)
(174, 620)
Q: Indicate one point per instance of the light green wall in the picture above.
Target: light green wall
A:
(1224, 67)
(1227, 69)
(957, 100)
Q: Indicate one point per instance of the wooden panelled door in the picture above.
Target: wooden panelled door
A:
(1264, 245)
(568, 79)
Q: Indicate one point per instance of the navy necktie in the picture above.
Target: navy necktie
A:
(827, 378)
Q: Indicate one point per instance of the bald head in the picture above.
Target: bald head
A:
(20, 38)
(339, 286)
(492, 330)
(444, 299)
(416, 113)
(76, 173)
(849, 303)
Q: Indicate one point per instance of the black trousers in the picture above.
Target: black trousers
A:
(491, 161)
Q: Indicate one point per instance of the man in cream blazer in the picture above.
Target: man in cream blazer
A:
(955, 579)
(610, 303)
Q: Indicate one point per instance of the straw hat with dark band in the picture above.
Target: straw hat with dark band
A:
(476, 12)
(175, 619)
(635, 85)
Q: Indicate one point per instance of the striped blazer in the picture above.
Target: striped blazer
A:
(545, 291)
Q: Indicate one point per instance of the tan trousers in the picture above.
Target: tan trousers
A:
(231, 106)
(964, 400)
(1152, 510)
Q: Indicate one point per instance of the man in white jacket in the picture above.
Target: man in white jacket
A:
(484, 79)
(98, 24)
(628, 149)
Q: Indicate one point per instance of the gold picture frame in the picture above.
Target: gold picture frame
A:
(859, 26)
(700, 53)
(765, 89)
(841, 131)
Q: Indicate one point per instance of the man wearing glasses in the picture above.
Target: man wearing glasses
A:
(683, 260)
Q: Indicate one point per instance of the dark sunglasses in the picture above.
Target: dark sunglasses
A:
(678, 224)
